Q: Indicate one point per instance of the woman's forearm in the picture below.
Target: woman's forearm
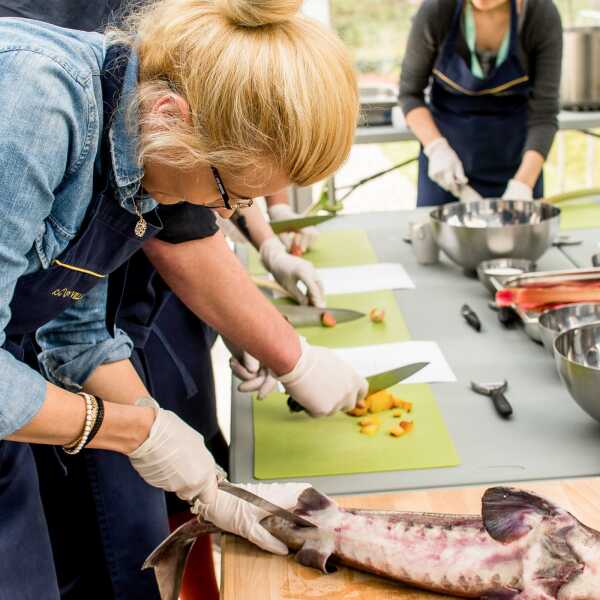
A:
(530, 169)
(102, 383)
(61, 418)
(211, 281)
(421, 123)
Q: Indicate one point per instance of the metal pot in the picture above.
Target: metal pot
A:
(580, 83)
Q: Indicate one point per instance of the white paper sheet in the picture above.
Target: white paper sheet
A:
(365, 278)
(370, 360)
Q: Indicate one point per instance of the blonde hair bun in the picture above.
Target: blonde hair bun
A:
(257, 13)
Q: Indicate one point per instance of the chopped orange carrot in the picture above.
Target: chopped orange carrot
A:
(327, 319)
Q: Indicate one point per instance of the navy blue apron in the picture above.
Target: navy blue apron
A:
(484, 120)
(103, 519)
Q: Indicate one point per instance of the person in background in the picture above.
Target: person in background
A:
(489, 118)
(95, 133)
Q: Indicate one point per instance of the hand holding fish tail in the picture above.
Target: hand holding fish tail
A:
(236, 516)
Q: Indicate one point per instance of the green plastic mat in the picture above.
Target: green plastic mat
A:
(580, 216)
(361, 332)
(339, 248)
(296, 445)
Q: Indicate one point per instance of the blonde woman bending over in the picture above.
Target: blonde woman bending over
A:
(211, 102)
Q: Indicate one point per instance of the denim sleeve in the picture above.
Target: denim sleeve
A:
(77, 341)
(43, 128)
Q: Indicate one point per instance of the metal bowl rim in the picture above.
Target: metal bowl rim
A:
(565, 307)
(556, 215)
(557, 352)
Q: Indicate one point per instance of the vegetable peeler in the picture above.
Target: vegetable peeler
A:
(496, 392)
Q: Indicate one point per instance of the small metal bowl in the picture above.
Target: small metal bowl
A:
(470, 233)
(577, 357)
(554, 321)
(502, 269)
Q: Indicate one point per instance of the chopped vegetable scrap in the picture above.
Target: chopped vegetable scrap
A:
(328, 320)
(372, 416)
(377, 315)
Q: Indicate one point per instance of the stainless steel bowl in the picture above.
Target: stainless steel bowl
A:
(554, 321)
(502, 269)
(470, 233)
(577, 356)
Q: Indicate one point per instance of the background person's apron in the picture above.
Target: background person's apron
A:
(103, 519)
(484, 120)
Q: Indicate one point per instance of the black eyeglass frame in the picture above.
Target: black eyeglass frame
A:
(228, 202)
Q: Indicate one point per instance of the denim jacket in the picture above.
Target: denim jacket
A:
(50, 131)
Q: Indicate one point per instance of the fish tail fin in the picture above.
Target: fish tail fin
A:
(551, 562)
(169, 558)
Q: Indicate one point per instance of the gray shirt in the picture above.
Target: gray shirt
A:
(540, 51)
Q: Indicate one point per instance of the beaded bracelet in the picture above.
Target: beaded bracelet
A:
(99, 418)
(91, 411)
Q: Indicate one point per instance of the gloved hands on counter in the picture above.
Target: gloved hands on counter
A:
(242, 518)
(305, 238)
(517, 190)
(321, 381)
(469, 194)
(255, 378)
(445, 167)
(289, 270)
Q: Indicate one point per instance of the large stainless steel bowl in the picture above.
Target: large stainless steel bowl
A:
(472, 232)
(554, 321)
(577, 356)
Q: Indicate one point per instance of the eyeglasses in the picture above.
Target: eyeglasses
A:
(228, 202)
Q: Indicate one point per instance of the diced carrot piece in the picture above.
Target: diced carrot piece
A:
(358, 412)
(372, 420)
(327, 319)
(407, 425)
(407, 406)
(377, 315)
(397, 431)
(370, 429)
(397, 413)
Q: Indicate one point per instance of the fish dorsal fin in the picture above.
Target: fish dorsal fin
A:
(505, 512)
(310, 500)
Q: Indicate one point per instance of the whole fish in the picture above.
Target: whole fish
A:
(523, 547)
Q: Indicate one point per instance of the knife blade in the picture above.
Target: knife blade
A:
(378, 382)
(299, 223)
(265, 505)
(307, 316)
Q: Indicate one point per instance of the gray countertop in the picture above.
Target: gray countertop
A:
(549, 436)
(378, 135)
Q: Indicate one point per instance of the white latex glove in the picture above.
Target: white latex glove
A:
(255, 377)
(517, 190)
(175, 459)
(242, 518)
(468, 194)
(305, 238)
(323, 383)
(445, 168)
(289, 270)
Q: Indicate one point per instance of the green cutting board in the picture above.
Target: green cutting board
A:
(296, 445)
(580, 216)
(361, 332)
(338, 248)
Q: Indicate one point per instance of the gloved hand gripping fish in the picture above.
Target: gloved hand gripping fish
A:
(523, 547)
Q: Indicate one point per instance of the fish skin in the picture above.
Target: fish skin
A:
(522, 548)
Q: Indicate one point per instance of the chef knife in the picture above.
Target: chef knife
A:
(307, 316)
(299, 223)
(265, 505)
(378, 382)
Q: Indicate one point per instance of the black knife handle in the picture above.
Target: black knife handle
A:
(294, 406)
(470, 317)
(502, 405)
(507, 316)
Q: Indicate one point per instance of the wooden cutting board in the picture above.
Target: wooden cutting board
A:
(250, 574)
